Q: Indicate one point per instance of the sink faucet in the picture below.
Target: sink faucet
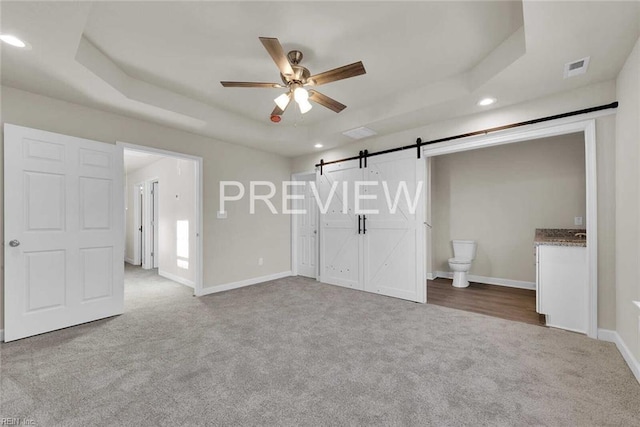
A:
(581, 235)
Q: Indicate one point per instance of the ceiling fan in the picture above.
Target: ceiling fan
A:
(295, 78)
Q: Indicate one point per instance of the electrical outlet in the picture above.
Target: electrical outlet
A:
(577, 220)
(260, 261)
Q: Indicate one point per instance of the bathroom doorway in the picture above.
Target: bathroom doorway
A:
(495, 211)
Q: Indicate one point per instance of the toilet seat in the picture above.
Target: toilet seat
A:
(459, 261)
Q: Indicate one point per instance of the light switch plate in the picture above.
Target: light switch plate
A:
(222, 214)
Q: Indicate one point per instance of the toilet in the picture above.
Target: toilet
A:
(464, 252)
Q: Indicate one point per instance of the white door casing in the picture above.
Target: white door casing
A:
(394, 245)
(340, 244)
(64, 204)
(307, 231)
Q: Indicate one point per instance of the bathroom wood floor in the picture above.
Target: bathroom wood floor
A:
(498, 301)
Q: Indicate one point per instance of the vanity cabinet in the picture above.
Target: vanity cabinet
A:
(562, 286)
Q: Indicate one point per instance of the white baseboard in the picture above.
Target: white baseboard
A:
(2, 335)
(614, 337)
(431, 276)
(129, 261)
(242, 283)
(521, 284)
(175, 278)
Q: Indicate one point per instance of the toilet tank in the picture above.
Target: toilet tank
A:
(464, 249)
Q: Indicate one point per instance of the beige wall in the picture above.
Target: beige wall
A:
(231, 246)
(628, 202)
(598, 94)
(498, 196)
(176, 202)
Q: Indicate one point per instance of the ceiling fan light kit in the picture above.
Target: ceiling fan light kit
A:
(283, 101)
(295, 77)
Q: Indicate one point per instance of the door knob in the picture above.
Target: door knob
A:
(14, 243)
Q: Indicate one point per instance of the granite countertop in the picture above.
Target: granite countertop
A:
(560, 237)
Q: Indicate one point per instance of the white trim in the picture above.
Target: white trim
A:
(613, 336)
(2, 335)
(242, 283)
(584, 123)
(176, 278)
(428, 228)
(592, 225)
(129, 261)
(199, 257)
(520, 284)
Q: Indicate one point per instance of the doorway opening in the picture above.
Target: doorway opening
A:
(491, 201)
(163, 214)
(585, 206)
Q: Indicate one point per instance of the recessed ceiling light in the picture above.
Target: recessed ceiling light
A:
(318, 145)
(12, 40)
(486, 101)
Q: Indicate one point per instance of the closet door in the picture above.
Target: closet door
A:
(394, 245)
(340, 243)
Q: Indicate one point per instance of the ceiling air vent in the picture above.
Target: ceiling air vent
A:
(575, 68)
(360, 133)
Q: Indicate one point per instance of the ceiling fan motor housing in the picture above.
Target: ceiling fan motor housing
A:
(300, 73)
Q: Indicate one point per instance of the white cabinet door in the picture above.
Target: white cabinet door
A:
(563, 286)
(64, 244)
(394, 250)
(340, 244)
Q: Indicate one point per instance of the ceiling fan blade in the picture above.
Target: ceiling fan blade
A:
(325, 101)
(279, 111)
(251, 84)
(345, 72)
(274, 48)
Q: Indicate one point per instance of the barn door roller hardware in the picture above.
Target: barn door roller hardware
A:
(419, 143)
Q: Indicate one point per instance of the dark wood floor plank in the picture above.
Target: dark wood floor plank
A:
(497, 301)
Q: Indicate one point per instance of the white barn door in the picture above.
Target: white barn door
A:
(340, 243)
(394, 245)
(63, 229)
(384, 254)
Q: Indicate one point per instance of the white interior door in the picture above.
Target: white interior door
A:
(64, 213)
(140, 221)
(394, 245)
(155, 218)
(307, 231)
(340, 243)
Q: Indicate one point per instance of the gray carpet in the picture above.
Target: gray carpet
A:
(295, 352)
